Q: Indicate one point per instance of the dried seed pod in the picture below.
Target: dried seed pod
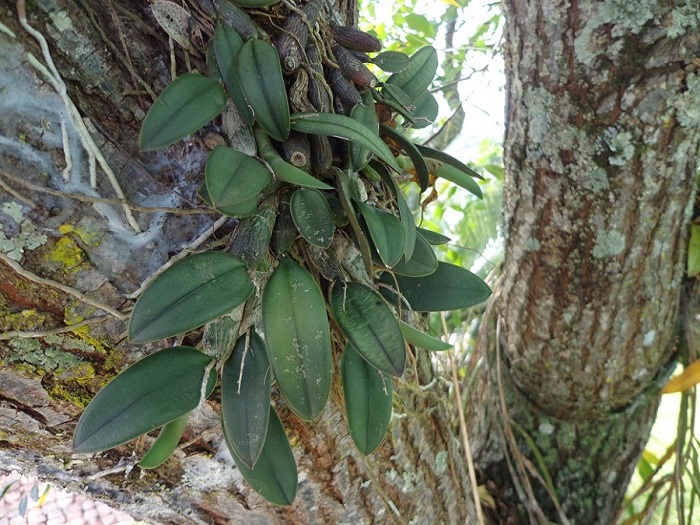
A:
(353, 69)
(361, 56)
(343, 88)
(298, 93)
(297, 150)
(290, 44)
(236, 18)
(321, 154)
(353, 38)
(318, 95)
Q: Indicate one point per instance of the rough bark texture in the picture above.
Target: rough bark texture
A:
(601, 145)
(88, 245)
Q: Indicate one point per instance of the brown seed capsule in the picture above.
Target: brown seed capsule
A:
(297, 150)
(298, 93)
(321, 154)
(295, 33)
(353, 69)
(343, 88)
(361, 56)
(318, 95)
(353, 38)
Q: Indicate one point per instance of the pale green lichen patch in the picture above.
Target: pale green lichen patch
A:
(684, 18)
(620, 144)
(595, 180)
(27, 237)
(687, 104)
(608, 244)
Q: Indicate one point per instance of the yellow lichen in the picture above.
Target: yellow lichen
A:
(66, 253)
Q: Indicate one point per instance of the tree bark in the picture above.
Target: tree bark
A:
(601, 155)
(58, 351)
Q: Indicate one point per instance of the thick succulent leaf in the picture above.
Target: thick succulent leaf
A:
(418, 75)
(365, 115)
(344, 194)
(424, 262)
(275, 474)
(391, 61)
(189, 102)
(405, 214)
(370, 326)
(298, 338)
(234, 181)
(165, 444)
(260, 77)
(246, 383)
(421, 339)
(150, 393)
(190, 293)
(460, 179)
(432, 237)
(343, 127)
(397, 94)
(449, 287)
(312, 216)
(387, 233)
(368, 395)
(426, 110)
(406, 145)
(227, 44)
(435, 154)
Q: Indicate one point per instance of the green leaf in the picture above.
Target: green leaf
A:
(165, 444)
(694, 251)
(450, 287)
(419, 74)
(275, 474)
(397, 94)
(260, 77)
(190, 293)
(365, 115)
(189, 102)
(246, 383)
(433, 237)
(150, 393)
(368, 395)
(386, 232)
(415, 337)
(391, 61)
(460, 179)
(234, 181)
(424, 262)
(419, 164)
(227, 44)
(298, 338)
(282, 169)
(405, 214)
(370, 326)
(312, 216)
(333, 125)
(430, 153)
(426, 110)
(344, 194)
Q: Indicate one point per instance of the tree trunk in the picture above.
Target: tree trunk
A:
(58, 350)
(601, 143)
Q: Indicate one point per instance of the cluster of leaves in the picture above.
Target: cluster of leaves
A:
(323, 229)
